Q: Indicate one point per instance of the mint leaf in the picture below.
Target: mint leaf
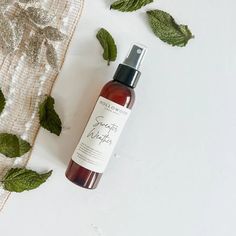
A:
(108, 44)
(48, 117)
(13, 146)
(2, 101)
(21, 179)
(129, 5)
(165, 28)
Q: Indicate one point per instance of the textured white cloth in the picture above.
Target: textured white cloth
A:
(24, 86)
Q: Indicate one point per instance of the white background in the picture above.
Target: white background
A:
(174, 172)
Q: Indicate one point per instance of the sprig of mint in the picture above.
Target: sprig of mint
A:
(165, 28)
(129, 5)
(22, 179)
(13, 146)
(2, 101)
(48, 117)
(108, 44)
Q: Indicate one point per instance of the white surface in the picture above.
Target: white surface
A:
(175, 171)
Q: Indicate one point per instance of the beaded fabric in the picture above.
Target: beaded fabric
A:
(24, 85)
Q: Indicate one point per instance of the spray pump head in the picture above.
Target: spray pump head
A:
(128, 72)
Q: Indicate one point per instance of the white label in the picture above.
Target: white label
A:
(100, 135)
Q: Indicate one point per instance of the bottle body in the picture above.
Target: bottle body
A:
(81, 174)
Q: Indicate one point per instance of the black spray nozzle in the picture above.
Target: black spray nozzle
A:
(128, 72)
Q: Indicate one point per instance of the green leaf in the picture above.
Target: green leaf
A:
(13, 146)
(165, 28)
(108, 44)
(49, 119)
(129, 5)
(22, 179)
(2, 101)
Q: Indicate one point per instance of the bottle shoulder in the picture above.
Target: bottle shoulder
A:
(119, 93)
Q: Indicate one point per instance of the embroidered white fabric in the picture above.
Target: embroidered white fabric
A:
(24, 86)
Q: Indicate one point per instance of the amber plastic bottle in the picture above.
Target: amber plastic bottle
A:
(120, 91)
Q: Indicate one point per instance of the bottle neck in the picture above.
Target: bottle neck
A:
(127, 75)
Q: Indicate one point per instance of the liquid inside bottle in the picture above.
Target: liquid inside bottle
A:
(106, 123)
